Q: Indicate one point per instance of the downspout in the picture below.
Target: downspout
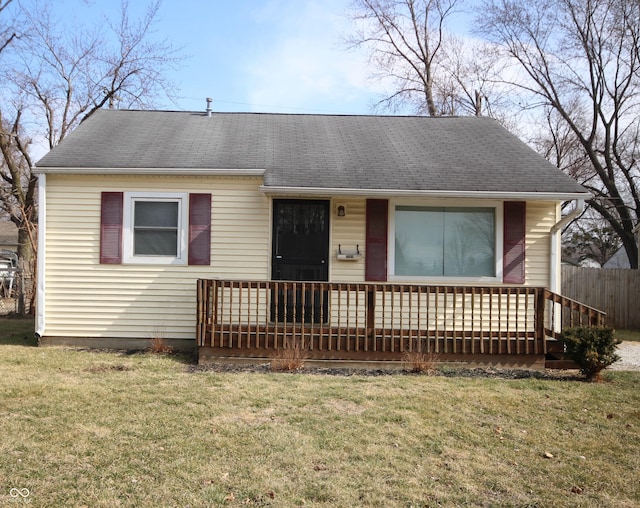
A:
(556, 230)
(40, 274)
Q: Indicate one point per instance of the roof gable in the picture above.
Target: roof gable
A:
(455, 154)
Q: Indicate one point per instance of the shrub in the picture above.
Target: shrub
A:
(592, 348)
(158, 343)
(420, 360)
(289, 357)
(159, 346)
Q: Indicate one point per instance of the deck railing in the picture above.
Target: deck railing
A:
(382, 319)
(563, 312)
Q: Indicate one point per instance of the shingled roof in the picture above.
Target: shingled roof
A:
(376, 153)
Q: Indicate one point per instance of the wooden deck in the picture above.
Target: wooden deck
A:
(372, 322)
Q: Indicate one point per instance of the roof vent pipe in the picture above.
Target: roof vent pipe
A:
(209, 101)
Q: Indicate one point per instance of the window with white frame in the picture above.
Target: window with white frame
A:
(155, 228)
(453, 242)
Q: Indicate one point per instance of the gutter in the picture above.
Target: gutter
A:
(388, 193)
(556, 229)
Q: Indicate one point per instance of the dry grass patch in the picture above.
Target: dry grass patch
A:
(420, 362)
(154, 434)
(289, 357)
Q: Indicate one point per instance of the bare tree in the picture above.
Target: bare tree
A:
(55, 76)
(590, 238)
(405, 40)
(430, 70)
(579, 60)
(7, 32)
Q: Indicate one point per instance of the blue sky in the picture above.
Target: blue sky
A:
(260, 55)
(256, 55)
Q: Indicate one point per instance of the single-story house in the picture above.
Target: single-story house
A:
(361, 236)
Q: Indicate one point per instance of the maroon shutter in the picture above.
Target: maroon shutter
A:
(111, 228)
(514, 242)
(199, 229)
(376, 242)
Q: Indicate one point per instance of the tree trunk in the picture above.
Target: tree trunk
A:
(27, 263)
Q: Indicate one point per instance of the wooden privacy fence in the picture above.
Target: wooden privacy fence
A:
(615, 291)
(381, 320)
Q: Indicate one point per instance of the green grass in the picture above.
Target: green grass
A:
(17, 331)
(628, 335)
(106, 430)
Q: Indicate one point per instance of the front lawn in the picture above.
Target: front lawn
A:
(17, 331)
(105, 430)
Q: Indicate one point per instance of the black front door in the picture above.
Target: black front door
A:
(300, 253)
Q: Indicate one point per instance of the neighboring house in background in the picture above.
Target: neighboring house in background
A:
(8, 257)
(136, 206)
(8, 236)
(620, 258)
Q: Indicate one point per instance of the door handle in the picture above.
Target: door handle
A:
(278, 257)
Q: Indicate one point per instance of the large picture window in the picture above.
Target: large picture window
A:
(445, 242)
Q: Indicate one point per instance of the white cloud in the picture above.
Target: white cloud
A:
(306, 67)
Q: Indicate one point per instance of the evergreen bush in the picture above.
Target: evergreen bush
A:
(592, 348)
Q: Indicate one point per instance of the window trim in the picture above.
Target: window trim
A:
(498, 207)
(182, 199)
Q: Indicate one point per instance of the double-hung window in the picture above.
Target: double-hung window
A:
(155, 228)
(447, 242)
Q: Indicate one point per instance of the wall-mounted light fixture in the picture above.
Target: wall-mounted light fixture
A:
(341, 210)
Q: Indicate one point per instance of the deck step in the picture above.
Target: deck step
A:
(560, 362)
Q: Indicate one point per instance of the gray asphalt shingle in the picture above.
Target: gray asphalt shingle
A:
(319, 151)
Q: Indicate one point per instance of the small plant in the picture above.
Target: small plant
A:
(592, 348)
(289, 357)
(158, 343)
(420, 360)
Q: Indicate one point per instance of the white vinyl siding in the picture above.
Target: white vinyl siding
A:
(540, 218)
(87, 299)
(348, 233)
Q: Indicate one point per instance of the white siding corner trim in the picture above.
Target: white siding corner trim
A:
(40, 272)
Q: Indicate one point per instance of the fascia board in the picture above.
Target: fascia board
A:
(380, 193)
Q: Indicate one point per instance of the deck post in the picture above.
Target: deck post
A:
(213, 301)
(200, 319)
(371, 312)
(540, 302)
